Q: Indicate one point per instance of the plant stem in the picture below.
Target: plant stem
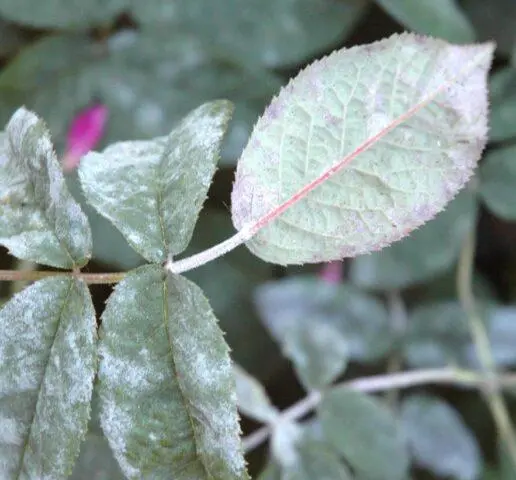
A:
(211, 254)
(378, 383)
(492, 395)
(398, 325)
(31, 276)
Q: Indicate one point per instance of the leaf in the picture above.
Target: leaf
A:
(267, 32)
(39, 219)
(316, 461)
(438, 335)
(48, 351)
(423, 254)
(252, 397)
(61, 13)
(502, 87)
(320, 325)
(153, 191)
(228, 284)
(498, 181)
(149, 80)
(418, 138)
(438, 438)
(441, 18)
(493, 20)
(168, 403)
(365, 433)
(109, 245)
(502, 334)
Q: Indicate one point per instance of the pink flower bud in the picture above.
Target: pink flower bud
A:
(84, 134)
(331, 272)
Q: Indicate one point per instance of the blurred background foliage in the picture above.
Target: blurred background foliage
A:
(150, 62)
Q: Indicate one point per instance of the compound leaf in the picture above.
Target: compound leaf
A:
(48, 351)
(168, 403)
(365, 433)
(153, 190)
(39, 219)
(361, 148)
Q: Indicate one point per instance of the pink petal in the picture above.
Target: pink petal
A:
(331, 272)
(85, 132)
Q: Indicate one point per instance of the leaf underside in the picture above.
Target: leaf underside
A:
(48, 352)
(168, 402)
(412, 110)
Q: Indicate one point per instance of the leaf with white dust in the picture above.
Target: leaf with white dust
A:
(361, 148)
(168, 400)
(48, 351)
(39, 219)
(152, 191)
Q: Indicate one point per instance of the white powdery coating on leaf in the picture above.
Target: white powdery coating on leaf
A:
(165, 379)
(141, 186)
(36, 202)
(46, 377)
(205, 376)
(331, 109)
(11, 432)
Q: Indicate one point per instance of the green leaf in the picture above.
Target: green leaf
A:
(39, 219)
(96, 460)
(502, 88)
(153, 191)
(365, 433)
(493, 20)
(228, 284)
(498, 182)
(168, 403)
(61, 13)
(252, 397)
(48, 351)
(438, 335)
(439, 18)
(340, 313)
(320, 325)
(268, 32)
(149, 80)
(412, 109)
(109, 245)
(502, 334)
(438, 438)
(316, 461)
(422, 255)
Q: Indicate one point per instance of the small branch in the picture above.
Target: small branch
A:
(398, 324)
(492, 395)
(211, 254)
(378, 383)
(32, 276)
